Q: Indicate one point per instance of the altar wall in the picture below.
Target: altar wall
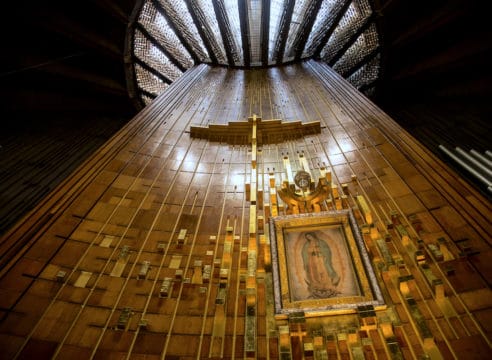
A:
(146, 250)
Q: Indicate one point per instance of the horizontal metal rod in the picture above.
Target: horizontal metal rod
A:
(481, 157)
(466, 166)
(483, 169)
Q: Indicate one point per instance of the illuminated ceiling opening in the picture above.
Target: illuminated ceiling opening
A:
(167, 37)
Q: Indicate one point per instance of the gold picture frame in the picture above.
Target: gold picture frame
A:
(320, 265)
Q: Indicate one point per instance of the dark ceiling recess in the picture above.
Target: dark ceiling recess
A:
(63, 93)
(436, 74)
(64, 90)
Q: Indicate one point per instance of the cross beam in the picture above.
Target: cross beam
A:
(245, 35)
(173, 20)
(361, 63)
(306, 26)
(283, 33)
(369, 20)
(265, 31)
(331, 24)
(225, 31)
(268, 131)
(162, 48)
(147, 93)
(152, 70)
(201, 26)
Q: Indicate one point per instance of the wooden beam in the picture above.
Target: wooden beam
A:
(380, 8)
(225, 31)
(161, 47)
(265, 31)
(326, 36)
(306, 26)
(352, 39)
(362, 62)
(173, 25)
(146, 93)
(245, 35)
(200, 26)
(150, 69)
(283, 32)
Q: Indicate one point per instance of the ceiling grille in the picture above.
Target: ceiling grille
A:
(171, 36)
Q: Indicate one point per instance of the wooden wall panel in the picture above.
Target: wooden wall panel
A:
(116, 257)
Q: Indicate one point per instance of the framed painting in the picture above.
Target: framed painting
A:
(320, 265)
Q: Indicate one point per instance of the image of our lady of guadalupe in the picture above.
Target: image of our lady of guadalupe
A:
(320, 276)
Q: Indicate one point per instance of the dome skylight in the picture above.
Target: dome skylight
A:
(168, 37)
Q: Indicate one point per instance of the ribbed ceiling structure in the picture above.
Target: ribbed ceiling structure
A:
(167, 37)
